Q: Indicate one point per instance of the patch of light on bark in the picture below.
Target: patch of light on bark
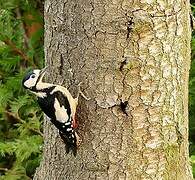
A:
(152, 72)
(154, 143)
(154, 49)
(173, 96)
(179, 29)
(160, 28)
(112, 100)
(151, 170)
(148, 1)
(167, 120)
(167, 48)
(166, 68)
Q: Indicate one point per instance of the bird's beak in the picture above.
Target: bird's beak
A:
(42, 72)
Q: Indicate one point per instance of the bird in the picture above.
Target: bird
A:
(58, 104)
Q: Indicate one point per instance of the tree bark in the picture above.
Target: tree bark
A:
(133, 58)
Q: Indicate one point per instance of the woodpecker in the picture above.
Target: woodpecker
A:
(57, 103)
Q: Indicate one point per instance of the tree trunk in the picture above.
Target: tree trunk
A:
(133, 58)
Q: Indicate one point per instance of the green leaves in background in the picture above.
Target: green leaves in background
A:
(21, 48)
(192, 100)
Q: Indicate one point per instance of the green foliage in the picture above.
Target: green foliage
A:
(192, 100)
(21, 48)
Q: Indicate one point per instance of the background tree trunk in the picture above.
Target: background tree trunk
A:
(133, 58)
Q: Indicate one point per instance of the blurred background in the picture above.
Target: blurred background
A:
(21, 48)
(192, 98)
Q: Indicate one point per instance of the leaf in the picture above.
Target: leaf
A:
(20, 140)
(16, 173)
(14, 83)
(28, 146)
(19, 102)
(9, 63)
(5, 95)
(7, 148)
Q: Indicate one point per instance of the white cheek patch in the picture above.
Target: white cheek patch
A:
(30, 82)
(60, 112)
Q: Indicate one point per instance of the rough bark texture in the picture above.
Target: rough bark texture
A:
(133, 58)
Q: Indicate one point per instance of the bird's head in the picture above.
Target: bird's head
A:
(33, 78)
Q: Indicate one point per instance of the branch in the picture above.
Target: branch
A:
(19, 120)
(36, 131)
(4, 169)
(18, 51)
(19, 16)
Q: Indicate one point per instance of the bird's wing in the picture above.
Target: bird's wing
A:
(62, 107)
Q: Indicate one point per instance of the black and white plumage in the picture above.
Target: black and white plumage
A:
(57, 103)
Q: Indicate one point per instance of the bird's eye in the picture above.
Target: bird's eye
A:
(33, 76)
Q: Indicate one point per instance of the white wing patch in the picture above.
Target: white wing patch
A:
(73, 102)
(40, 94)
(61, 112)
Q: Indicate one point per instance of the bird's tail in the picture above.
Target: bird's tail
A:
(71, 146)
(71, 142)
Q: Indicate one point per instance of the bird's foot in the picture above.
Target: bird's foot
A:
(81, 93)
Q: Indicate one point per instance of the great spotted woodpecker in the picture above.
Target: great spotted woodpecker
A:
(58, 104)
